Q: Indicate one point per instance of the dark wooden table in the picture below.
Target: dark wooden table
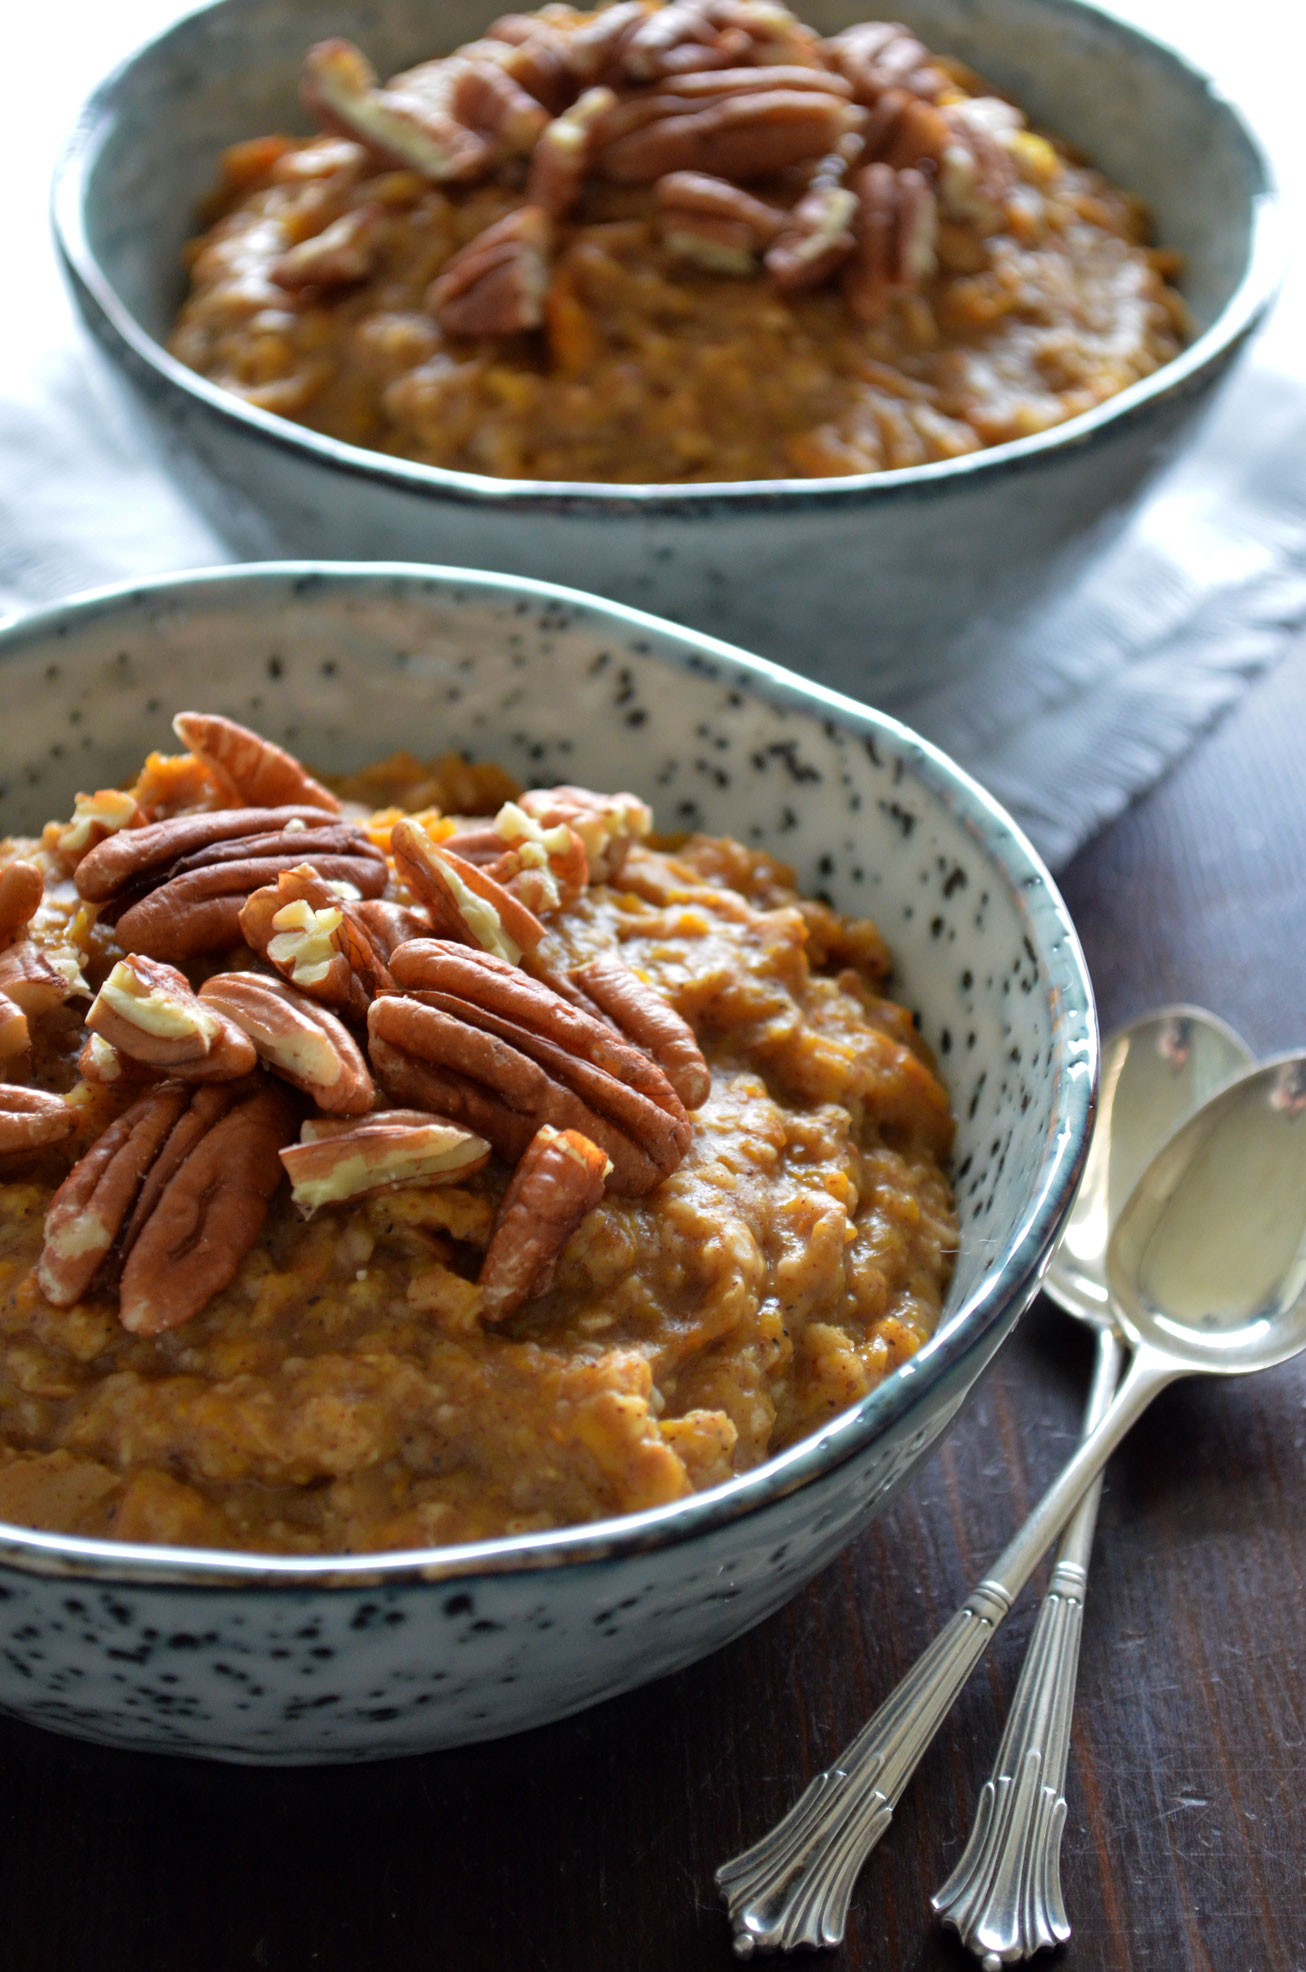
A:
(592, 1844)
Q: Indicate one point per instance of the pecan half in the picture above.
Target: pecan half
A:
(496, 285)
(642, 1014)
(960, 144)
(544, 58)
(607, 824)
(91, 1206)
(94, 816)
(147, 1011)
(817, 236)
(895, 231)
(296, 1037)
(316, 940)
(31, 1118)
(560, 1178)
(561, 160)
(463, 901)
(388, 924)
(261, 775)
(510, 1093)
(445, 1092)
(736, 123)
(175, 890)
(714, 224)
(878, 55)
(208, 1215)
(715, 34)
(448, 119)
(145, 855)
(21, 889)
(470, 1014)
(335, 1162)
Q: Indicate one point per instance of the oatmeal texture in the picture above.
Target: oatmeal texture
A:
(832, 256)
(352, 1387)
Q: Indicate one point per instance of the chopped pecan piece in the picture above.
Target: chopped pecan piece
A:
(878, 55)
(545, 867)
(976, 170)
(94, 816)
(560, 1178)
(208, 1215)
(714, 224)
(463, 901)
(148, 1012)
(896, 227)
(607, 824)
(737, 123)
(448, 119)
(260, 774)
(101, 1063)
(32, 985)
(342, 253)
(960, 144)
(21, 890)
(650, 1021)
(91, 1206)
(296, 1037)
(31, 1118)
(561, 159)
(496, 285)
(335, 1162)
(15, 1034)
(33, 982)
(317, 941)
(176, 889)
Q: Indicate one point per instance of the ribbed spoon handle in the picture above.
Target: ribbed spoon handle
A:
(1004, 1897)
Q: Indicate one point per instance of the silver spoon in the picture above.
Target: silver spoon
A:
(1207, 1270)
(1004, 1896)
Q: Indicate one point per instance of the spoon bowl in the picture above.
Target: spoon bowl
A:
(1207, 1265)
(1155, 1073)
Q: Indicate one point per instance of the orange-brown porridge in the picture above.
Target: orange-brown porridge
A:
(429, 1160)
(661, 243)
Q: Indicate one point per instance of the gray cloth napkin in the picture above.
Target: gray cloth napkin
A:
(1066, 720)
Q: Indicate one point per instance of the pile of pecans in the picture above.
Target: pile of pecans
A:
(861, 145)
(286, 998)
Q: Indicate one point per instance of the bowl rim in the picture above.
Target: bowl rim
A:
(1049, 933)
(1241, 314)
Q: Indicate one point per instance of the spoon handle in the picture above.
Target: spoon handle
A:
(1004, 1897)
(793, 1886)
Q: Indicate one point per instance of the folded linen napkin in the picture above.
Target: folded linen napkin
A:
(1066, 721)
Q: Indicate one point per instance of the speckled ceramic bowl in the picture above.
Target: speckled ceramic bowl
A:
(255, 1658)
(865, 582)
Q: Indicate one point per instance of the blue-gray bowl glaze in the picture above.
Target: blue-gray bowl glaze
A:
(867, 582)
(293, 1658)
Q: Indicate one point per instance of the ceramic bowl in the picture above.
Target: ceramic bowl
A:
(866, 582)
(265, 1658)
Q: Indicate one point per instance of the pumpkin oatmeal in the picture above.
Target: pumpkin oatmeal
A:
(689, 242)
(420, 1159)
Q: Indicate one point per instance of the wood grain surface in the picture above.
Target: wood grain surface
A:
(592, 1844)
